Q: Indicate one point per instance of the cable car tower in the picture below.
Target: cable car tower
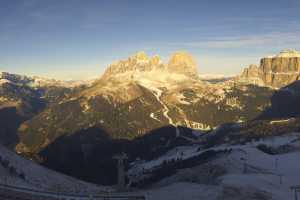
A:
(121, 158)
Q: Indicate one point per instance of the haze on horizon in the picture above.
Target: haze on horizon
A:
(77, 39)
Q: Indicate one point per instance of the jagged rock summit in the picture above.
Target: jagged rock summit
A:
(275, 71)
(180, 63)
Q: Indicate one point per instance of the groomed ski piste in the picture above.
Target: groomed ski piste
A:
(23, 179)
(244, 173)
(18, 171)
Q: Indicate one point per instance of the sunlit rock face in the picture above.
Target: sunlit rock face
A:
(156, 61)
(183, 63)
(139, 62)
(179, 63)
(252, 71)
(281, 70)
(276, 71)
(252, 75)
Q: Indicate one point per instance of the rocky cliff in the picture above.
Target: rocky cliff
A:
(180, 63)
(183, 63)
(275, 71)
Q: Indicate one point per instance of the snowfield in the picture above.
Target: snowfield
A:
(244, 173)
(20, 172)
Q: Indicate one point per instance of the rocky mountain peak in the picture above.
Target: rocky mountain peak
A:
(180, 63)
(141, 56)
(252, 75)
(155, 60)
(251, 71)
(183, 63)
(276, 71)
(253, 67)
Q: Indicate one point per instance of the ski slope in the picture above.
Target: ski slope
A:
(249, 172)
(28, 174)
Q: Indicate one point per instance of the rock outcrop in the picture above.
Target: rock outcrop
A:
(183, 63)
(275, 71)
(179, 63)
(252, 75)
(252, 71)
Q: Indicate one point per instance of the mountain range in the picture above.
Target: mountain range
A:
(138, 103)
(137, 95)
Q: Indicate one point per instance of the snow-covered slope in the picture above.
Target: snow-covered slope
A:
(37, 82)
(20, 172)
(240, 172)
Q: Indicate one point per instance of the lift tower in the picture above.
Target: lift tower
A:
(121, 158)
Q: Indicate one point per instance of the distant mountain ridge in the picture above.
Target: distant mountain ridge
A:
(36, 82)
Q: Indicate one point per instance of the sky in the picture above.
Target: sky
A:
(78, 39)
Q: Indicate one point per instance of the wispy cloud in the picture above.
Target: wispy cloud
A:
(275, 39)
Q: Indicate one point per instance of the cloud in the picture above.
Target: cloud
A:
(275, 39)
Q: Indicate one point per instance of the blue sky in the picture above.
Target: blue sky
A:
(78, 39)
